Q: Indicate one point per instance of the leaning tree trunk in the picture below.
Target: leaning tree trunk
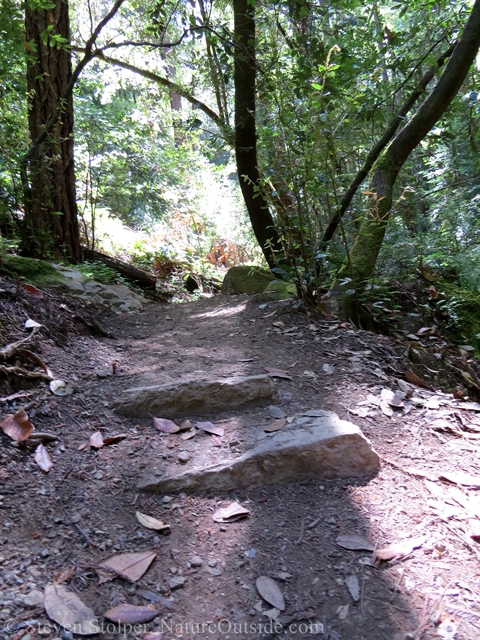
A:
(245, 130)
(364, 253)
(50, 224)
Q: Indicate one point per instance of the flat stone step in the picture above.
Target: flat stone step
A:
(194, 396)
(317, 444)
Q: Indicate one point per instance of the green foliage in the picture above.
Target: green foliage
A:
(32, 270)
(100, 272)
(13, 108)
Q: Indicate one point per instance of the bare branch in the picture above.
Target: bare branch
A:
(175, 88)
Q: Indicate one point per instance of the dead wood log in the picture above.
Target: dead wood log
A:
(143, 278)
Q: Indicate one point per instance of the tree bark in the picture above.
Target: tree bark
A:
(245, 131)
(50, 224)
(363, 256)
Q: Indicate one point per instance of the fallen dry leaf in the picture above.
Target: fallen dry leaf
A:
(60, 388)
(386, 408)
(167, 426)
(355, 542)
(276, 425)
(459, 477)
(185, 425)
(31, 324)
(33, 291)
(42, 458)
(186, 435)
(232, 513)
(131, 613)
(116, 438)
(353, 587)
(416, 380)
(130, 566)
(277, 373)
(398, 550)
(152, 523)
(210, 428)
(17, 425)
(96, 440)
(66, 608)
(270, 592)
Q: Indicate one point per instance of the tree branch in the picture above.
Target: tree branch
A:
(175, 88)
(381, 144)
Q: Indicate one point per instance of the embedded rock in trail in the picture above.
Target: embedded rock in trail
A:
(180, 398)
(117, 296)
(246, 279)
(317, 444)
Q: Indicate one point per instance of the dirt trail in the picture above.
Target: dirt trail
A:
(84, 509)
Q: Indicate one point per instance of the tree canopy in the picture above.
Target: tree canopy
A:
(312, 100)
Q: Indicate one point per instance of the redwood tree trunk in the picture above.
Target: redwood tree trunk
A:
(51, 223)
(245, 130)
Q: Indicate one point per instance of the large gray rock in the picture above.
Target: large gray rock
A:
(281, 290)
(316, 445)
(190, 396)
(116, 296)
(246, 279)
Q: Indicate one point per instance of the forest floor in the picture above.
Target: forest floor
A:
(57, 526)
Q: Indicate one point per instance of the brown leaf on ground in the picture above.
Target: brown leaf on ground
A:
(232, 513)
(416, 380)
(33, 291)
(398, 550)
(459, 477)
(277, 373)
(276, 425)
(130, 566)
(152, 523)
(131, 613)
(270, 592)
(66, 608)
(17, 425)
(167, 426)
(210, 428)
(354, 541)
(114, 439)
(42, 458)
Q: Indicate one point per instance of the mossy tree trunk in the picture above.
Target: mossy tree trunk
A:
(363, 255)
(50, 224)
(245, 130)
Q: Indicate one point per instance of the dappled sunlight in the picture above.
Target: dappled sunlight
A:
(222, 312)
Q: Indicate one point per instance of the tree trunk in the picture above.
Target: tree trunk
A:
(50, 224)
(364, 253)
(245, 131)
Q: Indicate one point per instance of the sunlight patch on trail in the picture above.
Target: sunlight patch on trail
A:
(228, 311)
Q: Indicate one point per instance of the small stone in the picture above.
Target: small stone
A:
(98, 475)
(212, 562)
(166, 499)
(215, 571)
(276, 412)
(183, 457)
(33, 599)
(196, 561)
(177, 582)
